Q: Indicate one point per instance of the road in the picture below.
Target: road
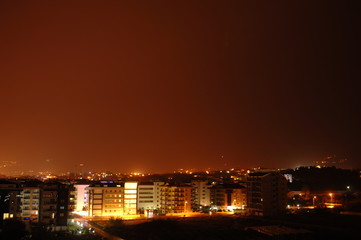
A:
(82, 222)
(102, 233)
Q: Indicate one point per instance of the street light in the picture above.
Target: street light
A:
(313, 200)
(331, 195)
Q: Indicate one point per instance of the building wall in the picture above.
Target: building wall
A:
(30, 203)
(201, 195)
(113, 199)
(176, 199)
(112, 202)
(95, 201)
(146, 197)
(266, 194)
(130, 198)
(81, 197)
(62, 211)
(149, 196)
(106, 200)
(218, 198)
(238, 198)
(48, 203)
(228, 197)
(157, 194)
(54, 204)
(10, 201)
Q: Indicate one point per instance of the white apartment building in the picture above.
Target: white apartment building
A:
(130, 198)
(81, 197)
(30, 203)
(112, 199)
(201, 194)
(149, 196)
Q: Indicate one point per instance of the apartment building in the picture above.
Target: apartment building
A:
(148, 196)
(266, 193)
(228, 196)
(157, 195)
(30, 203)
(176, 198)
(106, 199)
(81, 198)
(54, 203)
(109, 198)
(130, 198)
(201, 194)
(10, 200)
(72, 198)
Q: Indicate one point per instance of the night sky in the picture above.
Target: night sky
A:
(160, 85)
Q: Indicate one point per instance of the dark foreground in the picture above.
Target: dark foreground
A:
(290, 227)
(222, 227)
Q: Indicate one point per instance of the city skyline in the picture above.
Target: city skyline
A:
(11, 168)
(157, 86)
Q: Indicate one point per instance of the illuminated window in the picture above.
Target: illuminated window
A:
(130, 191)
(130, 196)
(130, 185)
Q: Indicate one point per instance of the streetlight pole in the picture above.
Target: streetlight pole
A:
(313, 200)
(331, 195)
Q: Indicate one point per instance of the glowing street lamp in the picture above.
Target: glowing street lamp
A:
(331, 195)
(313, 200)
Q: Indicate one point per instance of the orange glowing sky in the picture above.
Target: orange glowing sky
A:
(159, 85)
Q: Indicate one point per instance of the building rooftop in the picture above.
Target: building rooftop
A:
(107, 184)
(227, 186)
(146, 183)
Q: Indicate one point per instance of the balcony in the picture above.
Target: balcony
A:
(50, 210)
